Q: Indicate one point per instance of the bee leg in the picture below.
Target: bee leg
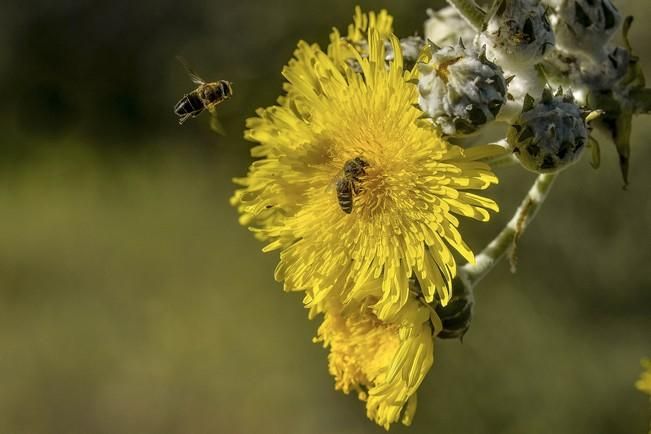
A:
(184, 118)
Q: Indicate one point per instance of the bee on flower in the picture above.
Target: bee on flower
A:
(360, 183)
(350, 183)
(403, 218)
(404, 223)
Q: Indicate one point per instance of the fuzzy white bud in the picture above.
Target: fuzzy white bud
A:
(586, 26)
(461, 90)
(517, 34)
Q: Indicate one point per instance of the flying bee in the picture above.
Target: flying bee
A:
(205, 97)
(349, 184)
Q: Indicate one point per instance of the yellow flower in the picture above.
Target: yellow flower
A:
(644, 383)
(341, 49)
(403, 219)
(382, 22)
(384, 363)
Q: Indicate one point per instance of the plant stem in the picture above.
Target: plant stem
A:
(471, 274)
(504, 160)
(470, 12)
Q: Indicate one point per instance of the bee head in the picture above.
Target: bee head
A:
(219, 91)
(355, 167)
(226, 88)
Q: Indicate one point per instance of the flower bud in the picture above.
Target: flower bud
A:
(549, 135)
(586, 26)
(461, 90)
(608, 73)
(591, 78)
(517, 33)
(456, 315)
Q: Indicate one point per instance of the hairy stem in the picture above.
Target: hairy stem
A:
(470, 12)
(504, 160)
(506, 239)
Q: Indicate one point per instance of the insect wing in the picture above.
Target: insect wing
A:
(193, 75)
(215, 123)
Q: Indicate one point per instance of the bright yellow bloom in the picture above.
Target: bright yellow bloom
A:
(644, 383)
(383, 362)
(342, 49)
(403, 220)
(382, 22)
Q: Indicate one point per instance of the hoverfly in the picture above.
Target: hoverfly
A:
(205, 97)
(349, 184)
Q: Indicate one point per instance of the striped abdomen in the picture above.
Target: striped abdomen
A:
(345, 195)
(349, 184)
(190, 104)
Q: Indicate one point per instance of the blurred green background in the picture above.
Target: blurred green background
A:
(132, 302)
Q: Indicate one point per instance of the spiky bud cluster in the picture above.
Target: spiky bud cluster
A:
(590, 76)
(586, 26)
(460, 89)
(518, 33)
(549, 135)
